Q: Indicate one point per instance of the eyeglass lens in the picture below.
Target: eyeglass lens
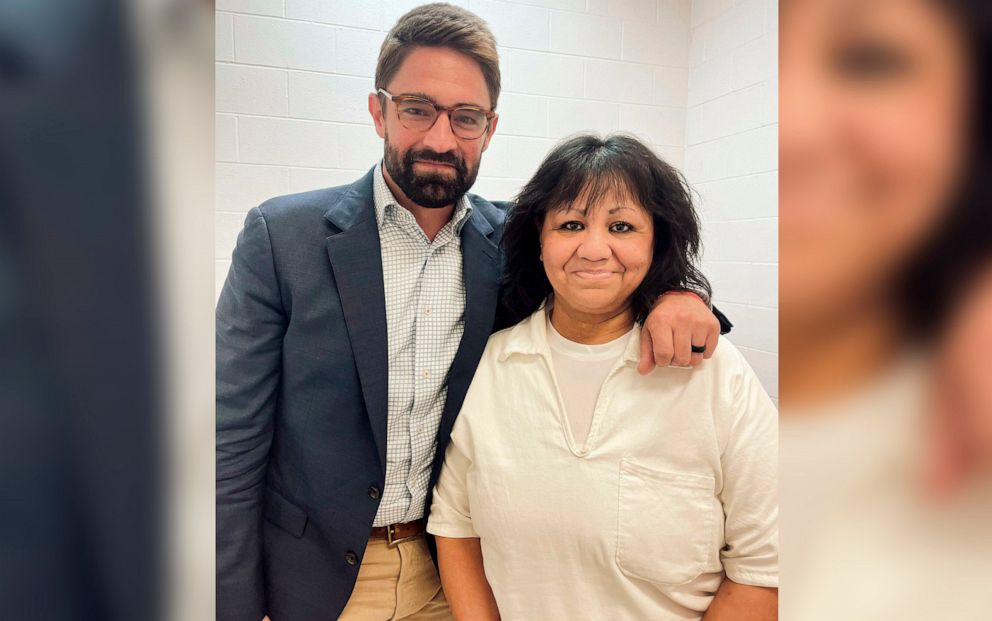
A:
(420, 116)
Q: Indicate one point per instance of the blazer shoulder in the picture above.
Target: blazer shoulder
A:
(302, 205)
(493, 212)
(339, 204)
(503, 206)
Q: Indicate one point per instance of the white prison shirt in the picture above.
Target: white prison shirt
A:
(675, 485)
(862, 538)
(425, 320)
(580, 370)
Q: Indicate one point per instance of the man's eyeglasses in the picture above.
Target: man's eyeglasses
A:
(419, 115)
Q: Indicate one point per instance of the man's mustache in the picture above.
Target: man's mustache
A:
(428, 155)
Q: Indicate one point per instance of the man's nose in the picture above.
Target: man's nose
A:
(440, 138)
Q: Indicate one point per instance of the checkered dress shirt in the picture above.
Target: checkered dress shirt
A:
(425, 319)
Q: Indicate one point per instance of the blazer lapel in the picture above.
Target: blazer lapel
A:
(356, 260)
(480, 264)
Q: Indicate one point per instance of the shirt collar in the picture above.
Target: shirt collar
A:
(385, 202)
(530, 337)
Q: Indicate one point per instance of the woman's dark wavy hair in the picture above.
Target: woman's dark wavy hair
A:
(589, 167)
(942, 271)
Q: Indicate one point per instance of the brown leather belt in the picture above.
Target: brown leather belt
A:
(395, 533)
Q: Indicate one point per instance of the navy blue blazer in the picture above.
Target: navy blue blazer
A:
(301, 396)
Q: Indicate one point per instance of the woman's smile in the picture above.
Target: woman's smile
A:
(594, 274)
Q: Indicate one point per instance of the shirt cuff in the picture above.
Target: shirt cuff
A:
(442, 525)
(752, 577)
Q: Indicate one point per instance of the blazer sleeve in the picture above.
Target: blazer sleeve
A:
(250, 327)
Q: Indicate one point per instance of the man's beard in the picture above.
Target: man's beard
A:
(429, 190)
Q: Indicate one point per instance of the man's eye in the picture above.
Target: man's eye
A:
(571, 225)
(621, 227)
(467, 120)
(415, 111)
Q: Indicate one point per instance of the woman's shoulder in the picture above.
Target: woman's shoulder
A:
(727, 371)
(728, 356)
(740, 385)
(527, 337)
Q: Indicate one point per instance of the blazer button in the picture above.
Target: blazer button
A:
(374, 492)
(351, 558)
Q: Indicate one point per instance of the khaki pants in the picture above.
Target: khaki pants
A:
(398, 582)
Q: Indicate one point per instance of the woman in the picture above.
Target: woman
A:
(885, 229)
(573, 487)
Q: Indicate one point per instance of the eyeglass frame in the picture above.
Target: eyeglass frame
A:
(490, 115)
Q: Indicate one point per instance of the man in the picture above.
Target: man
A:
(348, 331)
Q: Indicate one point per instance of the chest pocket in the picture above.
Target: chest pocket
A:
(666, 524)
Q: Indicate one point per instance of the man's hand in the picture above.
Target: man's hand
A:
(677, 322)
(960, 437)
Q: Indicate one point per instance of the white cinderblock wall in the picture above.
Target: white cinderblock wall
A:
(731, 159)
(293, 76)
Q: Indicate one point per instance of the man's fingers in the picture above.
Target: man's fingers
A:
(676, 323)
(664, 347)
(646, 363)
(701, 340)
(712, 337)
(682, 354)
(960, 442)
(945, 461)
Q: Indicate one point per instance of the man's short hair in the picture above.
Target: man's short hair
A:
(440, 25)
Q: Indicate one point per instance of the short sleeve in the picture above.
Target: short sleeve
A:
(750, 490)
(451, 515)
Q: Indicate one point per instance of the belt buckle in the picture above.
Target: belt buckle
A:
(394, 542)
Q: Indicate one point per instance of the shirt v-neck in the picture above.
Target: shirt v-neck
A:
(580, 371)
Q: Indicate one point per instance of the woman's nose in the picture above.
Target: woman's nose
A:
(594, 247)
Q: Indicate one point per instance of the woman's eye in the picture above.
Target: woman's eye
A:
(571, 225)
(621, 227)
(871, 62)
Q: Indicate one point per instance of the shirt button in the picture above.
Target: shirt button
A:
(427, 374)
(427, 311)
(374, 492)
(351, 558)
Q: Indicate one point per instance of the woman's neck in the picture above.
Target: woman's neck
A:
(591, 329)
(823, 359)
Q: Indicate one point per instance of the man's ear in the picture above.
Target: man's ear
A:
(375, 109)
(490, 132)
